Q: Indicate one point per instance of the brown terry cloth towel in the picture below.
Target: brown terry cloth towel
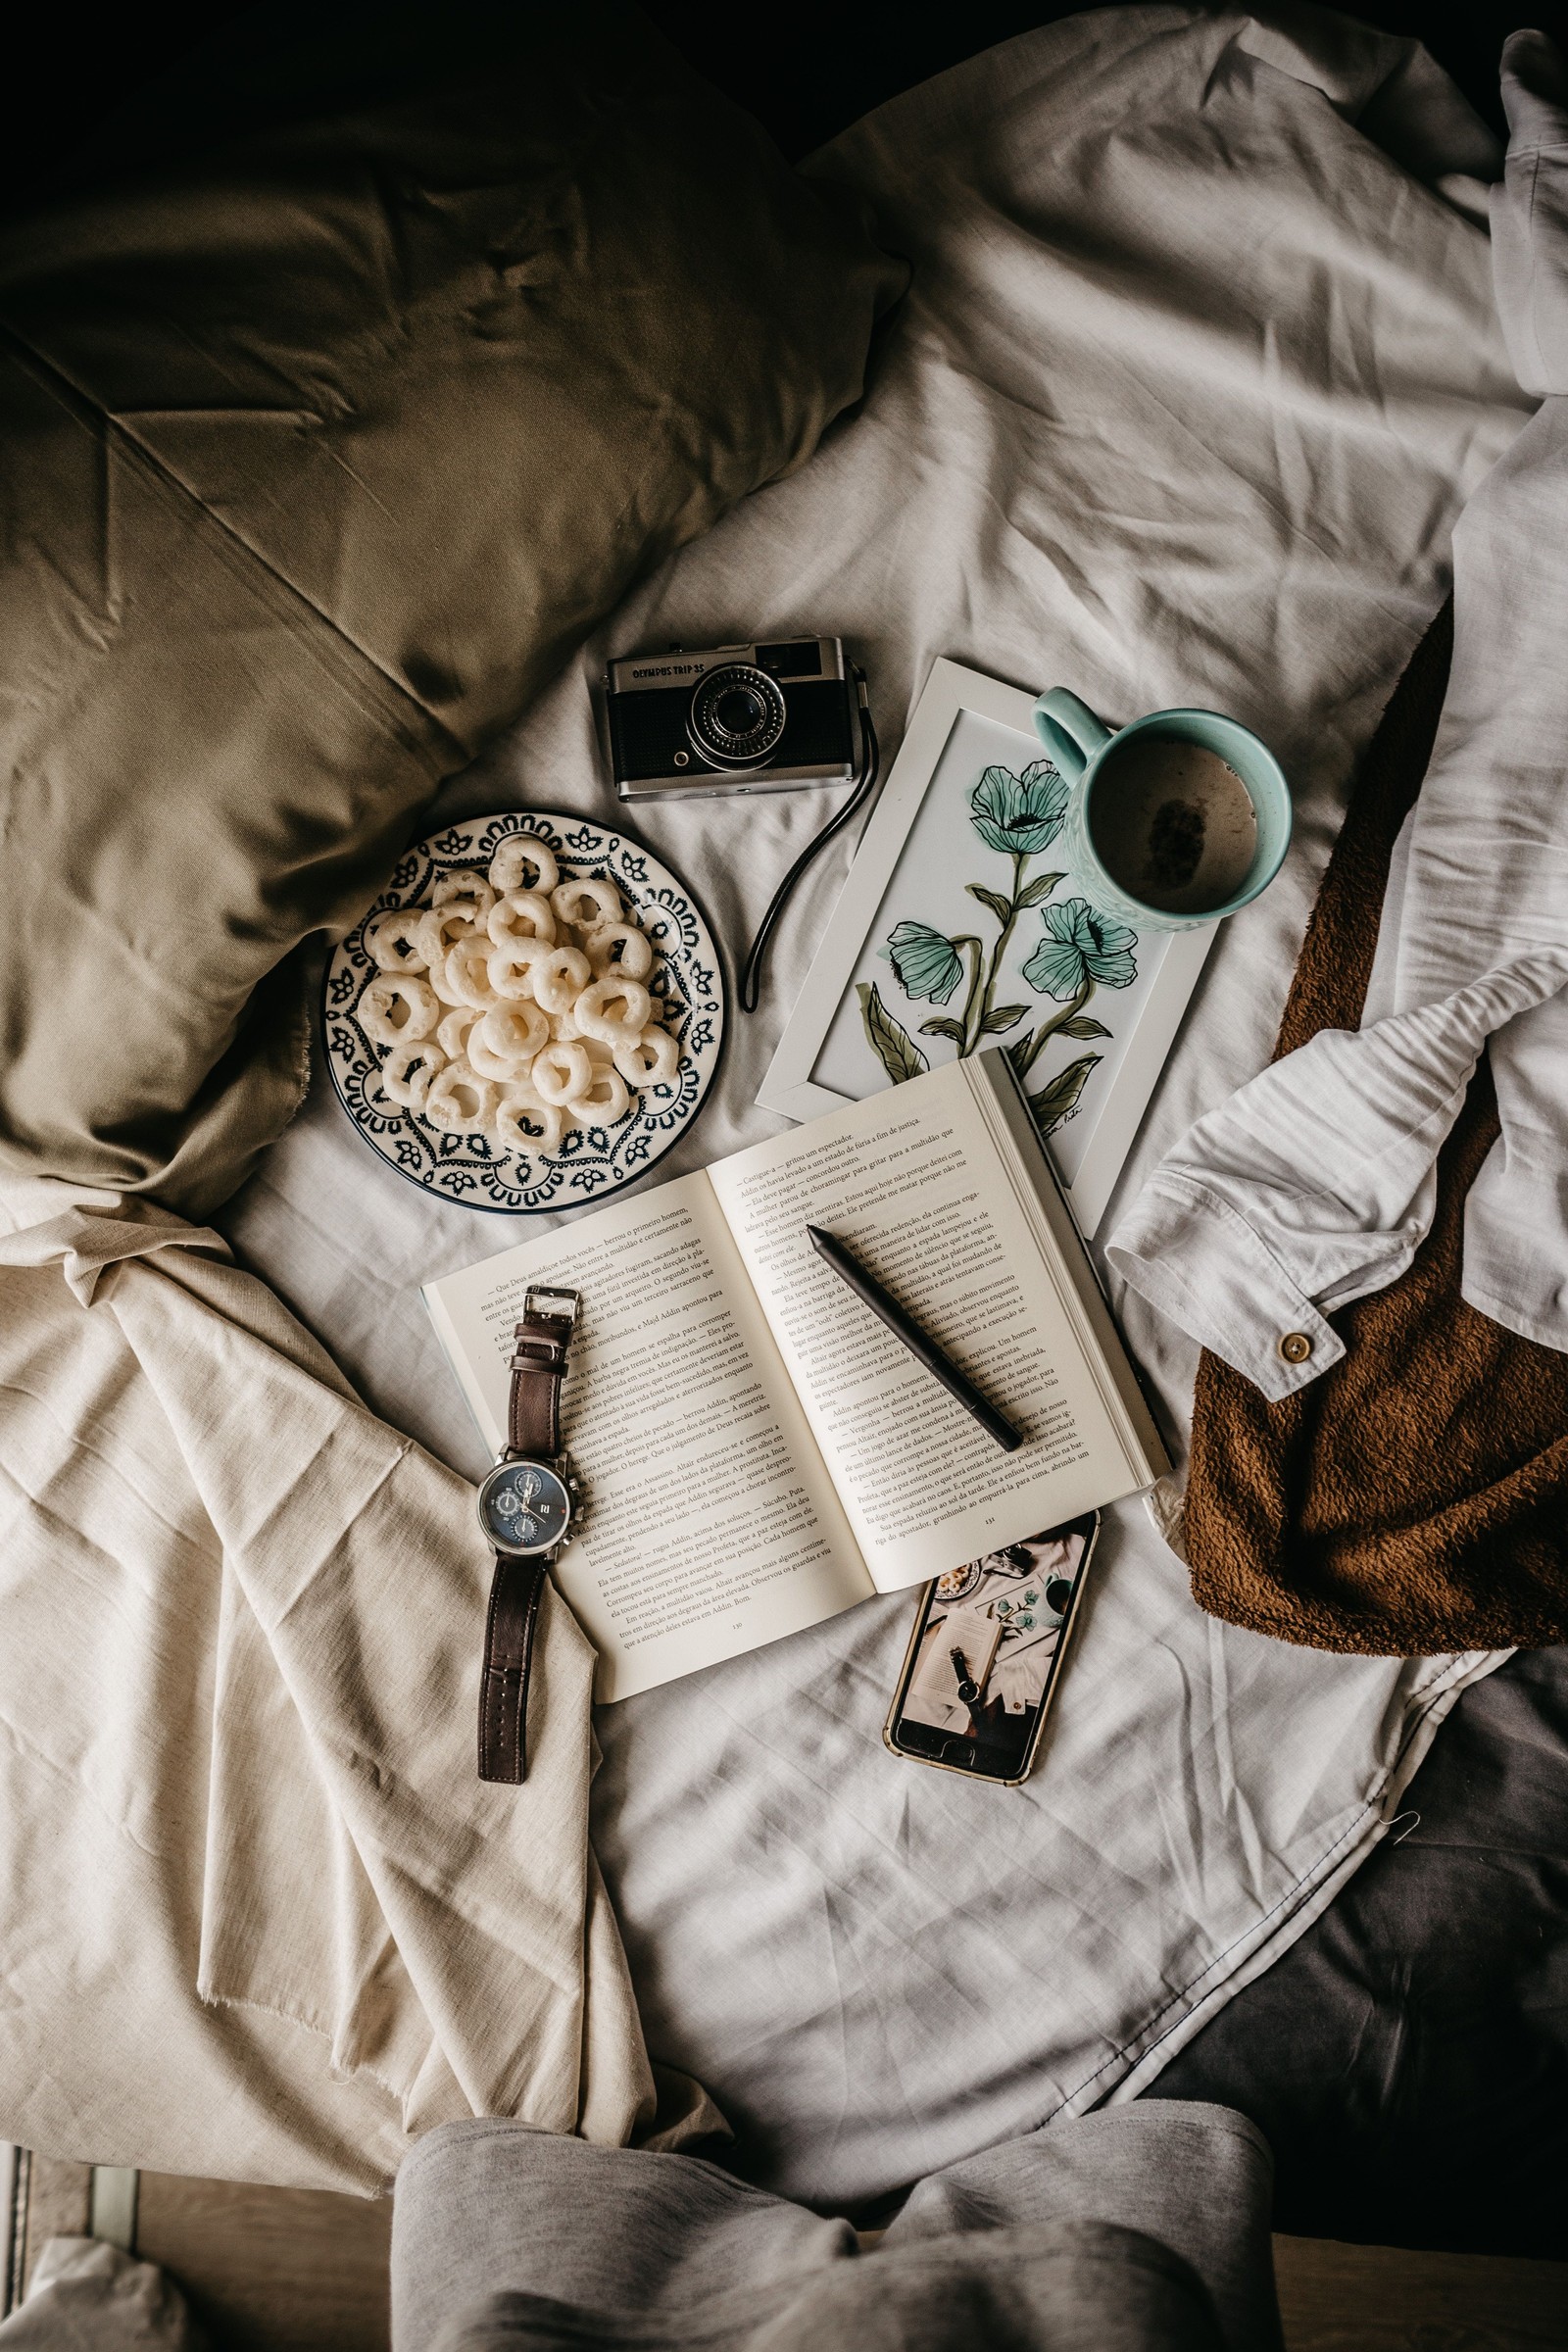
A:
(1414, 1499)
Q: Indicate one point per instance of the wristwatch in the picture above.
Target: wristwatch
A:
(526, 1505)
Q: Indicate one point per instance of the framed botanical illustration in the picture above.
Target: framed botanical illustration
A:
(957, 929)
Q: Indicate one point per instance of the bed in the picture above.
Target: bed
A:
(906, 1972)
(1199, 363)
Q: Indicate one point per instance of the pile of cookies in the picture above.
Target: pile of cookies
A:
(514, 1005)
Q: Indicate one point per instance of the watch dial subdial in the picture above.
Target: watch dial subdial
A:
(524, 1506)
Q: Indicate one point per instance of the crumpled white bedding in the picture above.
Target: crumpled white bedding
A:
(1199, 366)
(1317, 1183)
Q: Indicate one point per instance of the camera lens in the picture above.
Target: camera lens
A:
(739, 712)
(737, 716)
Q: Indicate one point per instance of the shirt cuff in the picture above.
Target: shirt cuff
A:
(1198, 1261)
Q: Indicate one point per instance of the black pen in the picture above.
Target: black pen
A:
(942, 1367)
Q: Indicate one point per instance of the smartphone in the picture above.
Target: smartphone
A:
(984, 1655)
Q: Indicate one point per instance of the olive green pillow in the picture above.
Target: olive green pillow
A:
(320, 451)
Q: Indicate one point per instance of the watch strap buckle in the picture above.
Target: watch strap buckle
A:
(543, 1301)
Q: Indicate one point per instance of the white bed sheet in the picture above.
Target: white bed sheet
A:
(1192, 382)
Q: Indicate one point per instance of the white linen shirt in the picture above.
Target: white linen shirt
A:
(1315, 1183)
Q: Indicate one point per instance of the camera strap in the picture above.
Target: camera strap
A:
(860, 792)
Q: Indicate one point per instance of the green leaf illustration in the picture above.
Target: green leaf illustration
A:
(942, 1027)
(1001, 1016)
(893, 1047)
(1082, 1026)
(1040, 888)
(989, 898)
(1059, 1099)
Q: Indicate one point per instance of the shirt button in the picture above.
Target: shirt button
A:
(1296, 1346)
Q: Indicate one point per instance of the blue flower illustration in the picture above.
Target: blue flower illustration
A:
(1081, 944)
(1019, 815)
(927, 962)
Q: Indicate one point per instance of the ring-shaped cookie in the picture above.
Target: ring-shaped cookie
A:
(453, 1034)
(516, 1031)
(565, 1029)
(437, 977)
(527, 1128)
(379, 1004)
(462, 883)
(510, 967)
(440, 927)
(651, 1059)
(393, 939)
(559, 978)
(595, 1017)
(410, 1070)
(619, 949)
(561, 1071)
(522, 861)
(467, 972)
(459, 1102)
(521, 915)
(603, 1100)
(494, 1067)
(589, 903)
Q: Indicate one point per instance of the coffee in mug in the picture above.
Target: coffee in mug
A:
(1173, 824)
(1173, 820)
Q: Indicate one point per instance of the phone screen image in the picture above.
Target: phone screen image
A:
(985, 1654)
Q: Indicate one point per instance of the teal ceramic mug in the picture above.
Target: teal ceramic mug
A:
(1175, 820)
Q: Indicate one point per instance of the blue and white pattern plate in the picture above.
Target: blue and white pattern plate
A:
(593, 1162)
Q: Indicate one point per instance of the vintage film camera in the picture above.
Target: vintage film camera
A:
(739, 718)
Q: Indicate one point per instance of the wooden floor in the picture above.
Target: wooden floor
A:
(277, 2270)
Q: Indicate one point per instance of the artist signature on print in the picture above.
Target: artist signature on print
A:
(1078, 952)
(593, 1161)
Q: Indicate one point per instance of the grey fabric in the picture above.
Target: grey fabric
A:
(492, 2204)
(1076, 2286)
(1407, 2060)
(1147, 2226)
(1205, 2194)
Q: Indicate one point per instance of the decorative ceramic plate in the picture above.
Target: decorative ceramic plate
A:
(688, 988)
(959, 1581)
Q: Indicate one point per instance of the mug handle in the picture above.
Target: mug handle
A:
(1069, 731)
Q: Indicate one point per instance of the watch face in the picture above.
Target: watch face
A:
(524, 1506)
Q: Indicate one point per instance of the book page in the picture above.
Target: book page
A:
(711, 1525)
(916, 1181)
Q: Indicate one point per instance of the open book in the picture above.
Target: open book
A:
(759, 1451)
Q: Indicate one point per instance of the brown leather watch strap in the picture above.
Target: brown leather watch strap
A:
(538, 1367)
(533, 1429)
(516, 1593)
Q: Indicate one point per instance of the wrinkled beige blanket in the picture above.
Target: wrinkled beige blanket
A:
(245, 1845)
